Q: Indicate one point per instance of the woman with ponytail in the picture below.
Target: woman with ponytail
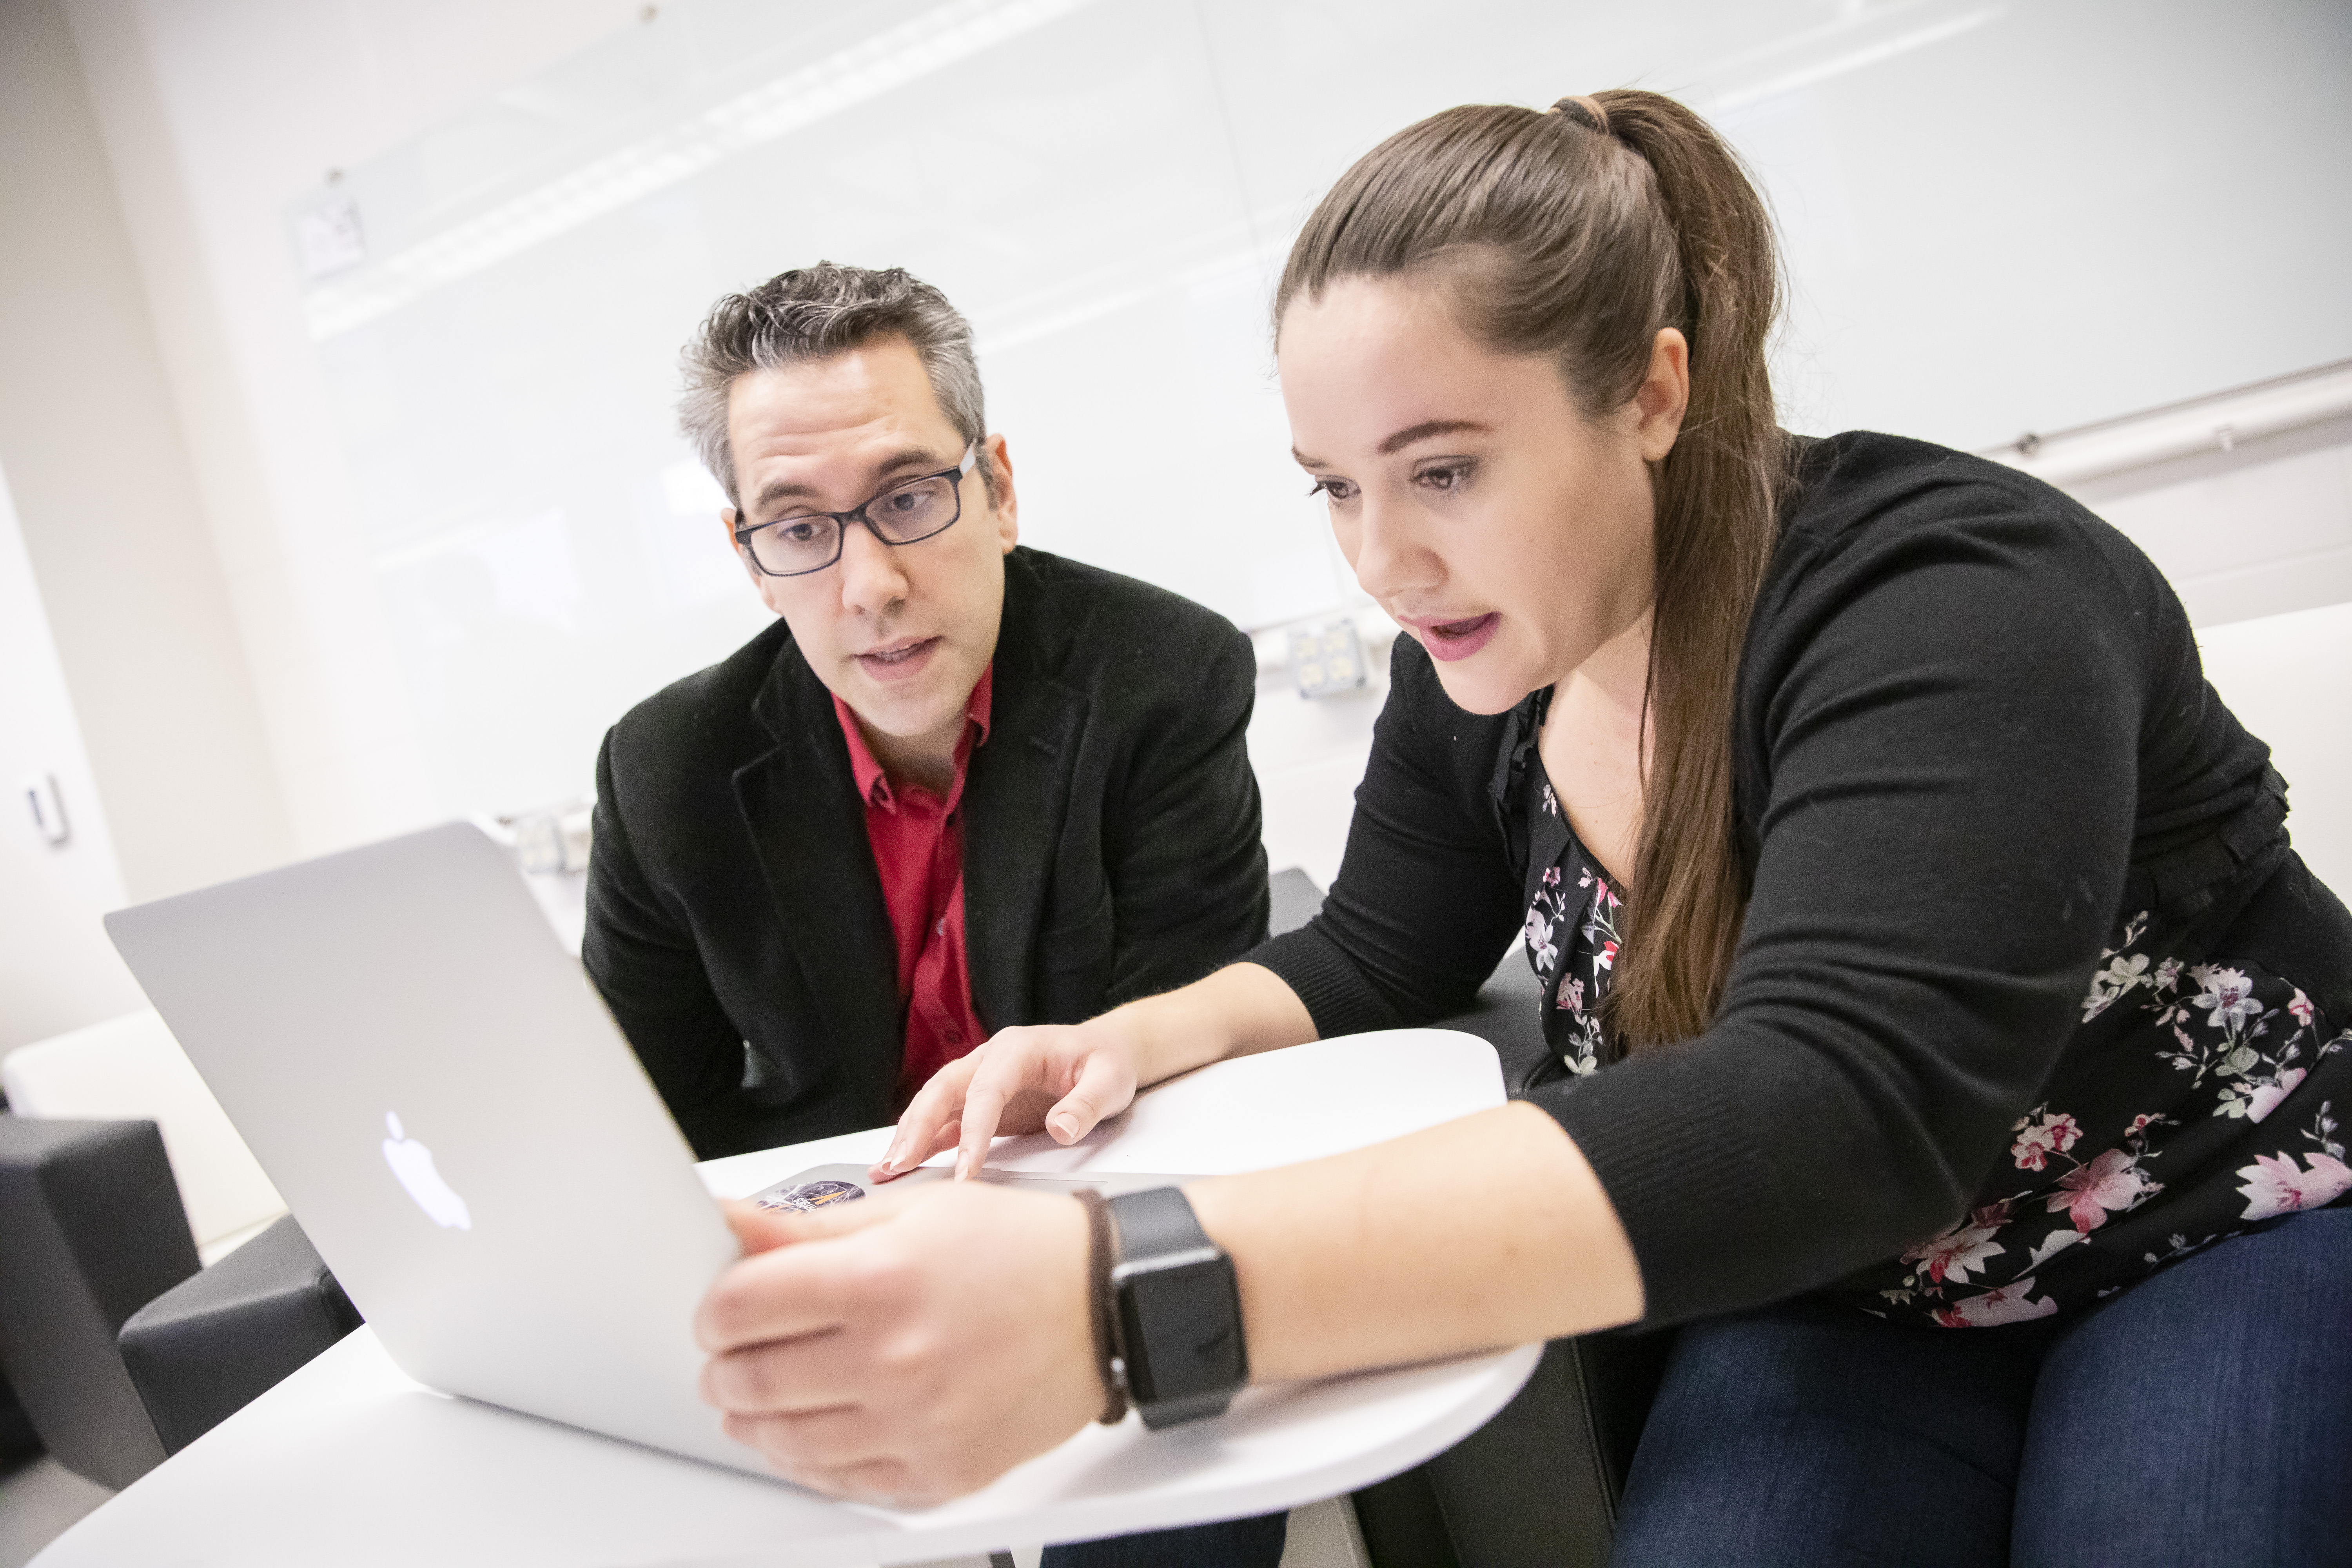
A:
(1921, 943)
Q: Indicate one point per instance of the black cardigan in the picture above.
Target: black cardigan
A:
(1972, 730)
(1110, 851)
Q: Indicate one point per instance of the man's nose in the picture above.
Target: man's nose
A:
(871, 578)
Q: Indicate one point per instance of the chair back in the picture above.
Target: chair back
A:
(130, 1068)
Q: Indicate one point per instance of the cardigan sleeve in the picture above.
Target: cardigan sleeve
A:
(1426, 898)
(1947, 721)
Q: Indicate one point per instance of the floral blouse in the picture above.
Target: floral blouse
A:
(2201, 1121)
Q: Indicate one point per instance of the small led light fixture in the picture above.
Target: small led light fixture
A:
(1325, 660)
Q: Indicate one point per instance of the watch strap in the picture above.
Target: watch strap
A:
(1102, 1307)
(1156, 1222)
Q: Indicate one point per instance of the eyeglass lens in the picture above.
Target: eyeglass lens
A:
(901, 517)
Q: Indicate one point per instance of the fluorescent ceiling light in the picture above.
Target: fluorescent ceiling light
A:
(915, 48)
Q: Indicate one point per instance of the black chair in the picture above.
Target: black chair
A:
(90, 1230)
(119, 1348)
(205, 1348)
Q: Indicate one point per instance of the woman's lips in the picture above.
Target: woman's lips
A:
(901, 661)
(1450, 640)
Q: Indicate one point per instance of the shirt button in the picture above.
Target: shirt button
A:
(955, 1036)
(942, 929)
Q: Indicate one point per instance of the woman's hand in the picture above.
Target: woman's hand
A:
(1066, 1079)
(907, 1348)
(1063, 1078)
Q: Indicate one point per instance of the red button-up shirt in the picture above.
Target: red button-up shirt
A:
(918, 841)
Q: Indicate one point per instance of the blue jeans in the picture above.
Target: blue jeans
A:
(1231, 1544)
(2203, 1417)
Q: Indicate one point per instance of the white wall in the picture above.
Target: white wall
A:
(213, 115)
(91, 437)
(57, 971)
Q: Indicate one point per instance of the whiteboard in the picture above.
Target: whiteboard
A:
(1999, 218)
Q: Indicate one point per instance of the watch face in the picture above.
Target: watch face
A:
(1183, 1331)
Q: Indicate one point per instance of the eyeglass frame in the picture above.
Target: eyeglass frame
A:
(842, 520)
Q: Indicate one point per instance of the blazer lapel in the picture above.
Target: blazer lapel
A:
(1015, 798)
(807, 828)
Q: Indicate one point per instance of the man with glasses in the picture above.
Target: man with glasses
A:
(959, 786)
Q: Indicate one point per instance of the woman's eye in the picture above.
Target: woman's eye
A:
(1335, 490)
(797, 533)
(1444, 482)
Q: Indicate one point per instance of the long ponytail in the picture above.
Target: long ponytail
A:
(1579, 234)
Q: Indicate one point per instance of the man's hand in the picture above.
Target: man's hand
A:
(907, 1348)
(1063, 1078)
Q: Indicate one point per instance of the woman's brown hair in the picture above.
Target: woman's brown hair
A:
(1579, 233)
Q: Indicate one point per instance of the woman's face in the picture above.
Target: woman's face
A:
(1487, 514)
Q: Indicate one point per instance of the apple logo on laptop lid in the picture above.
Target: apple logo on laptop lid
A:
(412, 1163)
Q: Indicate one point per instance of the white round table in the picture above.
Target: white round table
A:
(351, 1461)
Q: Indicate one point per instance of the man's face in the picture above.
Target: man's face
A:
(901, 633)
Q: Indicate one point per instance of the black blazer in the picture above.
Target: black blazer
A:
(736, 924)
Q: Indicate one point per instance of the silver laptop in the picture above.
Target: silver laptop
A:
(440, 1095)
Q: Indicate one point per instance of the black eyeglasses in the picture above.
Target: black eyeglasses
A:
(906, 513)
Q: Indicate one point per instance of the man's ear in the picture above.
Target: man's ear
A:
(1008, 506)
(742, 557)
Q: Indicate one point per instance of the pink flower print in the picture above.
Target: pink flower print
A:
(2227, 991)
(2113, 1181)
(2274, 1186)
(2301, 1009)
(2140, 1124)
(2264, 1098)
(1607, 957)
(1551, 876)
(2003, 1304)
(1959, 1252)
(1571, 996)
(2051, 1135)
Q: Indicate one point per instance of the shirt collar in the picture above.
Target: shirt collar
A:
(873, 783)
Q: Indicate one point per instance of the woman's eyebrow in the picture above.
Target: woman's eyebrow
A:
(1425, 429)
(1402, 438)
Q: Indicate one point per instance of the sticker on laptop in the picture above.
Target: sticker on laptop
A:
(807, 1197)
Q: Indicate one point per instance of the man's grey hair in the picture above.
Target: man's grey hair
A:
(814, 314)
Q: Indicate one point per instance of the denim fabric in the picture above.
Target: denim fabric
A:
(2203, 1417)
(1230, 1544)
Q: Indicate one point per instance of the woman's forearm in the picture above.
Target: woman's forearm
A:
(1488, 1231)
(1239, 1011)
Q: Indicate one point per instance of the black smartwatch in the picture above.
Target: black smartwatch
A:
(1176, 1310)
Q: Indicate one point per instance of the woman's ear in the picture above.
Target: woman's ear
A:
(1665, 395)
